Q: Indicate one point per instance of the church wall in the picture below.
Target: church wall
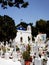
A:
(24, 35)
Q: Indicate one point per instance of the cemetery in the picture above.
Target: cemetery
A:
(24, 32)
(24, 51)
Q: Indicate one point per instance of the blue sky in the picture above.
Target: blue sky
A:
(37, 9)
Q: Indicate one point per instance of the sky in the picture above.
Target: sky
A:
(37, 9)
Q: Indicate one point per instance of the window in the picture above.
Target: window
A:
(21, 39)
(28, 38)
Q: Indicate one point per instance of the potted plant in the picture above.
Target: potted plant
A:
(26, 57)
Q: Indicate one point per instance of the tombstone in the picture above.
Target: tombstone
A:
(22, 48)
(14, 56)
(32, 63)
(14, 52)
(35, 49)
(1, 53)
(10, 41)
(38, 61)
(22, 61)
(47, 44)
(48, 62)
(6, 42)
(2, 44)
(45, 59)
(6, 45)
(7, 55)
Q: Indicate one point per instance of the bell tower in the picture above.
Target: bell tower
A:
(29, 28)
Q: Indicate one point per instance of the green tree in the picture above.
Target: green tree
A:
(7, 28)
(41, 25)
(34, 31)
(23, 24)
(47, 28)
(13, 3)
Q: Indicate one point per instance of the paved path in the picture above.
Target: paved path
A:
(4, 61)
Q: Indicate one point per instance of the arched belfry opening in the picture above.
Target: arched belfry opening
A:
(21, 39)
(28, 39)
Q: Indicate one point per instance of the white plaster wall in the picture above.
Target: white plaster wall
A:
(24, 35)
(40, 37)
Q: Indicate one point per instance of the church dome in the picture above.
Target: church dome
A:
(21, 28)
